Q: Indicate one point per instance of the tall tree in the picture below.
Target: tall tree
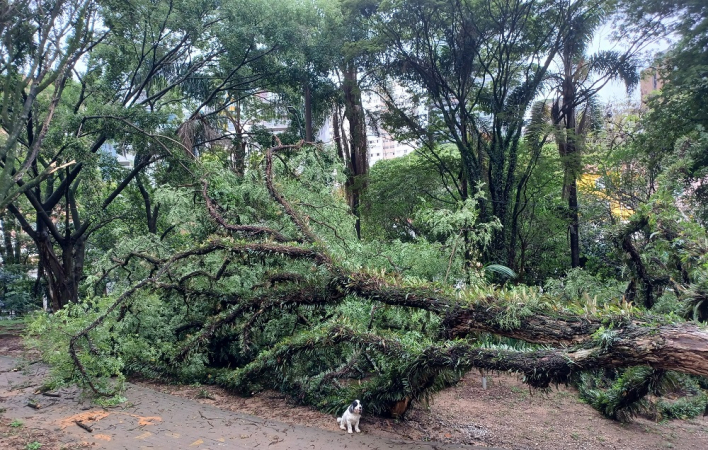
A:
(579, 80)
(352, 27)
(160, 65)
(40, 45)
(475, 65)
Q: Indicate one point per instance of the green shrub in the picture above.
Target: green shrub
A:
(16, 291)
(683, 407)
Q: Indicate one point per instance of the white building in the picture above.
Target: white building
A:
(382, 146)
(380, 143)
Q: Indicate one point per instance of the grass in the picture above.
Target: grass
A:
(13, 324)
(203, 393)
(523, 393)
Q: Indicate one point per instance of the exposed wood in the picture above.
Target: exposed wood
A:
(84, 426)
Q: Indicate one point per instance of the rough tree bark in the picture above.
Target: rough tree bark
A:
(567, 140)
(357, 162)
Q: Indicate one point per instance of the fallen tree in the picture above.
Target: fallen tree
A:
(277, 305)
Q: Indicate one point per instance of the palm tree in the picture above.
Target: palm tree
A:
(577, 83)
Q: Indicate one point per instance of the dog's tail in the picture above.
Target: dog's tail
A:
(339, 420)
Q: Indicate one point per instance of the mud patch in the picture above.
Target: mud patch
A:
(143, 421)
(88, 417)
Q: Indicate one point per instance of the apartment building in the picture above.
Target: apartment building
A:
(649, 83)
(382, 146)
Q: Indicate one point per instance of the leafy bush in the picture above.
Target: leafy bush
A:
(16, 291)
(620, 395)
(580, 284)
(682, 407)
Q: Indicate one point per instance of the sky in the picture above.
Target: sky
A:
(615, 91)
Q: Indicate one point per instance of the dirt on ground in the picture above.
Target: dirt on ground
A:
(15, 434)
(10, 340)
(504, 415)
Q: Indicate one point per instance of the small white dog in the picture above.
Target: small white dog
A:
(351, 416)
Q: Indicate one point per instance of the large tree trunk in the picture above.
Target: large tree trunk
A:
(357, 163)
(60, 293)
(10, 248)
(680, 348)
(337, 134)
(63, 273)
(570, 156)
(569, 151)
(632, 341)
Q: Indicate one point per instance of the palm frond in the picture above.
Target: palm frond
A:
(539, 124)
(695, 300)
(616, 66)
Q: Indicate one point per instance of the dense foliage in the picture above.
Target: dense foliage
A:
(178, 233)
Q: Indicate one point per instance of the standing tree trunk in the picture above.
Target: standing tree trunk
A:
(357, 162)
(151, 213)
(62, 275)
(308, 113)
(569, 152)
(238, 149)
(336, 133)
(574, 225)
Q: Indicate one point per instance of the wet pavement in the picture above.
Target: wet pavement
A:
(153, 420)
